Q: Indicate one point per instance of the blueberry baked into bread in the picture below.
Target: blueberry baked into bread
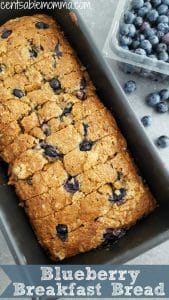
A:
(67, 158)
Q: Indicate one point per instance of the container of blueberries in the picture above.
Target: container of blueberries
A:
(139, 38)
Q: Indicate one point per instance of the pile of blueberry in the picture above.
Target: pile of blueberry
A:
(145, 29)
(157, 100)
(160, 102)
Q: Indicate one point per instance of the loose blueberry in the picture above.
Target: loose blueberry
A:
(125, 40)
(165, 2)
(132, 30)
(153, 99)
(154, 40)
(62, 232)
(41, 25)
(136, 4)
(86, 145)
(160, 34)
(50, 151)
(146, 121)
(165, 39)
(5, 34)
(71, 185)
(161, 47)
(146, 45)
(148, 5)
(140, 51)
(164, 95)
(142, 11)
(152, 15)
(135, 44)
(127, 29)
(129, 17)
(46, 130)
(138, 22)
(155, 3)
(124, 29)
(140, 37)
(118, 196)
(145, 25)
(18, 93)
(163, 142)
(148, 32)
(111, 236)
(130, 86)
(163, 56)
(55, 84)
(164, 27)
(162, 107)
(162, 9)
(163, 19)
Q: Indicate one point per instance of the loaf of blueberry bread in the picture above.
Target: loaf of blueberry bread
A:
(67, 158)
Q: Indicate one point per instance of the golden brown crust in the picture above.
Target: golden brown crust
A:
(67, 158)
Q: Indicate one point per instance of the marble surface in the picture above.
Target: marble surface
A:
(99, 17)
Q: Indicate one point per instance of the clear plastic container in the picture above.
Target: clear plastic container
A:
(143, 65)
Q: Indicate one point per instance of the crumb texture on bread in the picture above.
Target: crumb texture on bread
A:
(67, 159)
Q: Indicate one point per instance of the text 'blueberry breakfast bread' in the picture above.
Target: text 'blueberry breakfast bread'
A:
(67, 158)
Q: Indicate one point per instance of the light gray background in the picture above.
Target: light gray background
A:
(98, 19)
